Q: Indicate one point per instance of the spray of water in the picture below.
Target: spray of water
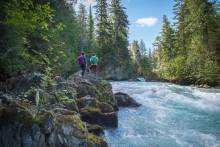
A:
(170, 116)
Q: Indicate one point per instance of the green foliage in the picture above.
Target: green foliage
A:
(21, 21)
(105, 51)
(141, 62)
(93, 139)
(119, 33)
(92, 45)
(33, 37)
(37, 35)
(190, 53)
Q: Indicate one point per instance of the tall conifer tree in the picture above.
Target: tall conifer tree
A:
(103, 32)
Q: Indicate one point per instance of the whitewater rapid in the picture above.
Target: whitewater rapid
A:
(170, 116)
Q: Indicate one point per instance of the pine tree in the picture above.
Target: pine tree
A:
(91, 35)
(143, 50)
(83, 26)
(180, 18)
(103, 32)
(190, 53)
(119, 32)
(167, 43)
(135, 54)
(203, 23)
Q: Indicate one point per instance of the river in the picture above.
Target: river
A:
(170, 116)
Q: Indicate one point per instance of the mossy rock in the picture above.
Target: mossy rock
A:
(105, 108)
(91, 115)
(95, 129)
(46, 120)
(63, 111)
(70, 104)
(85, 88)
(45, 97)
(60, 96)
(71, 125)
(105, 94)
(16, 113)
(86, 102)
(90, 110)
(73, 119)
(96, 141)
(30, 94)
(91, 103)
(95, 116)
(43, 116)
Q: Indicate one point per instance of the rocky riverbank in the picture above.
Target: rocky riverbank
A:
(38, 111)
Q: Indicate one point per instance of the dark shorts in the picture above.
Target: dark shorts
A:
(93, 68)
(83, 66)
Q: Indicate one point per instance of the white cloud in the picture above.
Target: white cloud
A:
(147, 21)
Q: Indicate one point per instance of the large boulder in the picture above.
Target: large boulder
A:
(69, 88)
(95, 129)
(95, 116)
(89, 101)
(124, 100)
(94, 87)
(96, 141)
(21, 126)
(32, 114)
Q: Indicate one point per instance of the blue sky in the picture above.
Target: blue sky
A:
(146, 18)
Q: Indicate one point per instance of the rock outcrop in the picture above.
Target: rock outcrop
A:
(96, 101)
(57, 112)
(95, 116)
(94, 87)
(124, 100)
(19, 127)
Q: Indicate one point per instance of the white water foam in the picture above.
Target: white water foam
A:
(161, 117)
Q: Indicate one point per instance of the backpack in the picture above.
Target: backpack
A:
(94, 60)
(81, 60)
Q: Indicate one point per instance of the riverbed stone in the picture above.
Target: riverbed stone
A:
(95, 129)
(95, 116)
(124, 100)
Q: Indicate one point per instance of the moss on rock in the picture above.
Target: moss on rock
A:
(70, 104)
(42, 117)
(86, 101)
(96, 140)
(73, 119)
(95, 116)
(16, 113)
(105, 108)
(95, 129)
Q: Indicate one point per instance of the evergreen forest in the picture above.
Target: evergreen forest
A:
(48, 35)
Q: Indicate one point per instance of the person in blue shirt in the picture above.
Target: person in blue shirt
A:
(94, 61)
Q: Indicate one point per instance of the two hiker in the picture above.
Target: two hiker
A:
(82, 61)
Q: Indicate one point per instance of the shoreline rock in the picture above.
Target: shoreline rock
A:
(56, 116)
(124, 100)
(95, 116)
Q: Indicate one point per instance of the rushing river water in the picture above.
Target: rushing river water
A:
(170, 116)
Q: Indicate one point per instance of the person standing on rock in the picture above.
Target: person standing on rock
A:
(82, 61)
(94, 61)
